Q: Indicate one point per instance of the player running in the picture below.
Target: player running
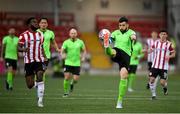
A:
(73, 51)
(150, 57)
(135, 58)
(49, 39)
(163, 52)
(10, 54)
(31, 43)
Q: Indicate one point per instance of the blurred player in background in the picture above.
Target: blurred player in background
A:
(135, 58)
(49, 39)
(122, 38)
(31, 43)
(10, 54)
(73, 51)
(163, 52)
(150, 57)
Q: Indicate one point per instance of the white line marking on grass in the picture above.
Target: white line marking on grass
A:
(96, 98)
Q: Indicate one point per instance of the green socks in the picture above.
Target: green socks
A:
(66, 86)
(122, 89)
(131, 79)
(10, 79)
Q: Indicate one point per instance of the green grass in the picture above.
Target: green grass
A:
(92, 94)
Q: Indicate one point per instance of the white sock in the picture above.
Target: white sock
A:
(152, 88)
(35, 84)
(40, 90)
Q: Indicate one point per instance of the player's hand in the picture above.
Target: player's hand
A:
(45, 59)
(167, 58)
(63, 56)
(144, 50)
(58, 50)
(25, 49)
(82, 59)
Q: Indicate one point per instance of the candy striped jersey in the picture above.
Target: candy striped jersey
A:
(150, 43)
(161, 50)
(34, 42)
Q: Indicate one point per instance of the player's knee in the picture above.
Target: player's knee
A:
(152, 80)
(124, 73)
(162, 82)
(10, 69)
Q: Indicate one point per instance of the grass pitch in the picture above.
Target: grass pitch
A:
(92, 94)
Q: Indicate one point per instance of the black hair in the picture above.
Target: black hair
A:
(163, 30)
(123, 19)
(29, 20)
(43, 18)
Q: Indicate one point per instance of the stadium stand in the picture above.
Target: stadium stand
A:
(17, 20)
(142, 24)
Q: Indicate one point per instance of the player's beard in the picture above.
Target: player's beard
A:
(34, 28)
(123, 31)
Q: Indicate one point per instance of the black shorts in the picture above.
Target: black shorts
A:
(11, 62)
(149, 66)
(158, 72)
(33, 68)
(122, 58)
(132, 69)
(75, 70)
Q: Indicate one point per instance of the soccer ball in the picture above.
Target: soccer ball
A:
(104, 32)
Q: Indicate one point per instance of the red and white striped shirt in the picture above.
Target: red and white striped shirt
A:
(34, 42)
(161, 50)
(150, 43)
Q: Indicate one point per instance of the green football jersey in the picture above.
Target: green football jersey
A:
(136, 53)
(11, 45)
(123, 40)
(73, 51)
(48, 37)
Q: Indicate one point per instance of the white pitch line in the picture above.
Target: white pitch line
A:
(102, 98)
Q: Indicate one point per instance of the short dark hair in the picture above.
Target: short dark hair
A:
(123, 19)
(29, 20)
(43, 18)
(163, 30)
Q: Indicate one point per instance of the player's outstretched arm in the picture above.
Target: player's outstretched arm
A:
(172, 55)
(133, 37)
(63, 54)
(54, 43)
(83, 55)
